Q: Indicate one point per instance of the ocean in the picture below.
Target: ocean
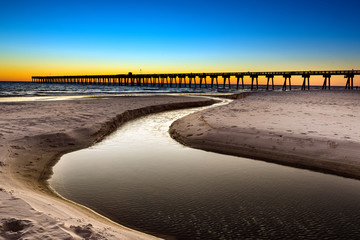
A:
(29, 89)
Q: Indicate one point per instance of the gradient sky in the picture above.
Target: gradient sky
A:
(109, 37)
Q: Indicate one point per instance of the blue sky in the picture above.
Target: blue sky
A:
(58, 36)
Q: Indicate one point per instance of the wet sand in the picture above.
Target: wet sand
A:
(315, 130)
(34, 134)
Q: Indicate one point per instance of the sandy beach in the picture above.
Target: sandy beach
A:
(314, 130)
(34, 135)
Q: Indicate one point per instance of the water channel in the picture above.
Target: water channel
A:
(141, 178)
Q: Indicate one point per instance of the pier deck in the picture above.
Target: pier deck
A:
(200, 79)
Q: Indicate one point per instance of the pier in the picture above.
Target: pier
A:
(194, 80)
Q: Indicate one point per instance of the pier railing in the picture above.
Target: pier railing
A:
(189, 79)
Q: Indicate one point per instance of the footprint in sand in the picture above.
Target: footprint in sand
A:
(312, 131)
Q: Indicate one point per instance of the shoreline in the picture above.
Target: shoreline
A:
(269, 135)
(27, 162)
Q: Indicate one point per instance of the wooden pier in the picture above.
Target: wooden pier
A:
(189, 79)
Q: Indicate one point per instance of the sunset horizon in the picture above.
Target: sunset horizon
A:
(49, 38)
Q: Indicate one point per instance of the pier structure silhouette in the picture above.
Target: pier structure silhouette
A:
(189, 80)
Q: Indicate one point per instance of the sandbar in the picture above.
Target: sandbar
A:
(317, 130)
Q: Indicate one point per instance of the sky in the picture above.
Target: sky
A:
(111, 37)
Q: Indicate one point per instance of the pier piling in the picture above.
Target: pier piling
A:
(286, 77)
(327, 77)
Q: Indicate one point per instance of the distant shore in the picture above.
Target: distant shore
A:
(316, 130)
(35, 134)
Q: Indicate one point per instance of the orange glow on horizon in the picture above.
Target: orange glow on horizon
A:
(26, 75)
(23, 70)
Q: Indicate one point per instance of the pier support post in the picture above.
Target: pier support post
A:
(226, 77)
(268, 80)
(306, 79)
(252, 81)
(201, 80)
(350, 81)
(212, 81)
(326, 81)
(190, 80)
(286, 76)
(180, 81)
(183, 80)
(171, 81)
(238, 77)
(162, 81)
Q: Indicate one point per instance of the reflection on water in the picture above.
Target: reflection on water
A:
(143, 179)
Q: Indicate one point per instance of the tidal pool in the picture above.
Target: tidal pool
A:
(141, 178)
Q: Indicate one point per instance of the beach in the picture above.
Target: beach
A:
(35, 134)
(314, 130)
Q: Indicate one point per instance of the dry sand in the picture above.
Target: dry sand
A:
(316, 130)
(33, 135)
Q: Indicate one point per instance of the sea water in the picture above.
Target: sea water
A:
(29, 89)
